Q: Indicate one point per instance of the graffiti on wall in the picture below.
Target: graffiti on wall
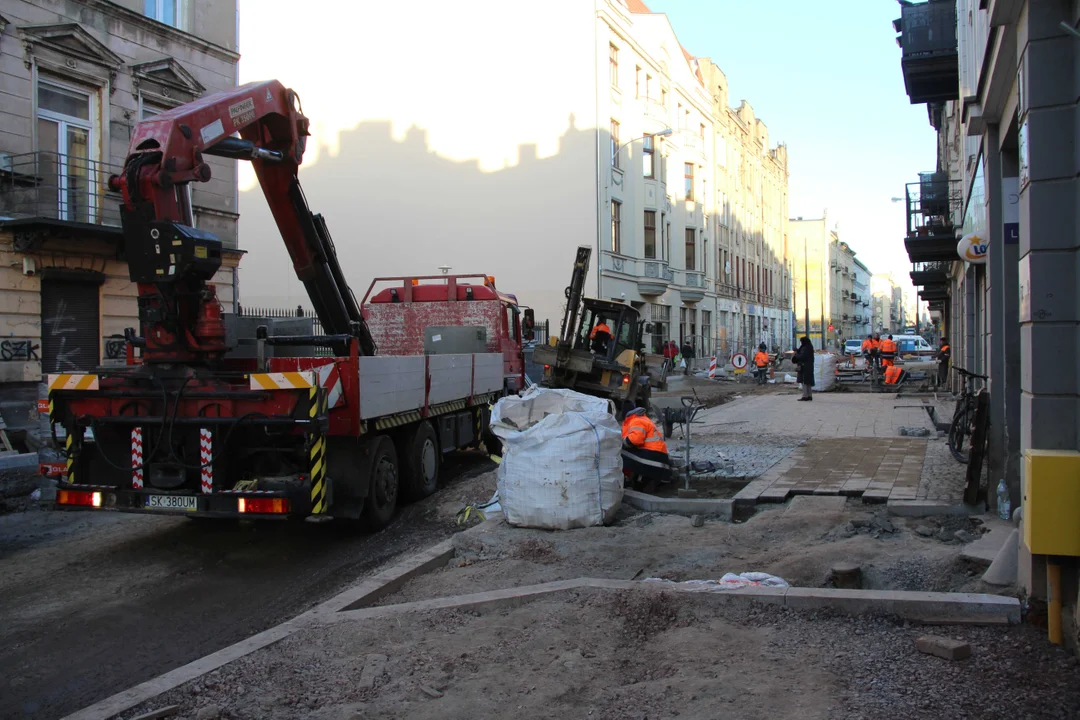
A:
(16, 350)
(115, 348)
(60, 325)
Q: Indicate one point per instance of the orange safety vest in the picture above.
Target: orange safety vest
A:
(944, 349)
(867, 345)
(761, 359)
(875, 344)
(642, 433)
(888, 346)
(601, 328)
(892, 375)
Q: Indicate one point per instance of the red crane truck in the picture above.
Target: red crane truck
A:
(187, 429)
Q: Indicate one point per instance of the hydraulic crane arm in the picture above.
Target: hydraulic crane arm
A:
(165, 155)
(575, 292)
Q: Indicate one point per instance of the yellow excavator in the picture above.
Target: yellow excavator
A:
(599, 350)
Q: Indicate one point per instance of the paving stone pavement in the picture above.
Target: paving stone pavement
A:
(840, 444)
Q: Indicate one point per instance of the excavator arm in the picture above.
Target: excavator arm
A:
(172, 261)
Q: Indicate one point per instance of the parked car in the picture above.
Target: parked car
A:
(853, 347)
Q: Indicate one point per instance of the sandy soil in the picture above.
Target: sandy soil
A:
(799, 542)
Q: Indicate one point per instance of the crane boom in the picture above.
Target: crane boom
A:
(172, 261)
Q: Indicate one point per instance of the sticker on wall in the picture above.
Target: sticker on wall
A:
(972, 248)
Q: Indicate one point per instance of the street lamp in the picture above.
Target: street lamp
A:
(663, 133)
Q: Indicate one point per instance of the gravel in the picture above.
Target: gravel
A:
(639, 655)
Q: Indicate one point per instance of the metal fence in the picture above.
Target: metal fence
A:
(60, 187)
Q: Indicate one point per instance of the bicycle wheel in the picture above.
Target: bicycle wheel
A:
(959, 430)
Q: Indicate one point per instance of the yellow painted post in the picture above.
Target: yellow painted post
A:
(1053, 595)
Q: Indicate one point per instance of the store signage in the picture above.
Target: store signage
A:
(972, 248)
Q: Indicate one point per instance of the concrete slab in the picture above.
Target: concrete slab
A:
(721, 508)
(1004, 570)
(988, 545)
(18, 461)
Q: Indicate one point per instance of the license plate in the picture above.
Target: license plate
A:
(172, 502)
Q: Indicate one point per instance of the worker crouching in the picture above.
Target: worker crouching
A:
(645, 454)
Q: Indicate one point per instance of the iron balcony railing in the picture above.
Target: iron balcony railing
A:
(60, 187)
(935, 266)
(931, 203)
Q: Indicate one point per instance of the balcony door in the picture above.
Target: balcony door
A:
(65, 137)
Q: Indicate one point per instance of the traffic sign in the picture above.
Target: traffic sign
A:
(738, 361)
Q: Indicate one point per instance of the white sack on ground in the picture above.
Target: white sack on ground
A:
(562, 464)
(824, 372)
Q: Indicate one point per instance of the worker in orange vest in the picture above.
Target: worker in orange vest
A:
(645, 454)
(868, 345)
(893, 375)
(888, 351)
(761, 362)
(943, 357)
(600, 336)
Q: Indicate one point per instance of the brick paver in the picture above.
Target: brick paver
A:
(852, 446)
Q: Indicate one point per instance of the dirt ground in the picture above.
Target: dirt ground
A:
(653, 654)
(799, 542)
(93, 603)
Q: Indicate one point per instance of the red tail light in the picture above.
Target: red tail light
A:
(625, 379)
(262, 505)
(79, 499)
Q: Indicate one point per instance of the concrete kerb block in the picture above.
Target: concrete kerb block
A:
(930, 508)
(19, 461)
(927, 607)
(390, 580)
(719, 508)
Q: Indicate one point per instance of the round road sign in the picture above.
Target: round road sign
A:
(738, 361)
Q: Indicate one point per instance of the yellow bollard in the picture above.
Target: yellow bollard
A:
(1053, 597)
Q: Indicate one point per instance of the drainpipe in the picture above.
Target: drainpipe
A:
(596, 87)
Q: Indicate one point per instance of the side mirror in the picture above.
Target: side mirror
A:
(528, 323)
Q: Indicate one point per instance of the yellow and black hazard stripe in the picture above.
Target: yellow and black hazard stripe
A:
(317, 452)
(393, 421)
(411, 416)
(69, 448)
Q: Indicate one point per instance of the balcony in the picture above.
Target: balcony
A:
(59, 187)
(693, 286)
(655, 111)
(930, 205)
(927, 274)
(929, 58)
(656, 279)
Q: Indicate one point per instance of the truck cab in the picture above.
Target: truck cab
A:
(440, 314)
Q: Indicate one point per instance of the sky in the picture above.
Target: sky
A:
(825, 78)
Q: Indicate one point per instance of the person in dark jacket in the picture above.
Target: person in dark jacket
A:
(804, 358)
(688, 356)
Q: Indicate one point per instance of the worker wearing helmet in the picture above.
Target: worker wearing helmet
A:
(600, 336)
(761, 362)
(645, 453)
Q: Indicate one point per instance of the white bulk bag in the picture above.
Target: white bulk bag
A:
(562, 465)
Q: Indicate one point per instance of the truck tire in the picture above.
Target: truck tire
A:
(419, 462)
(383, 491)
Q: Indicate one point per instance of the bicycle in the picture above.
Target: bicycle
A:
(963, 421)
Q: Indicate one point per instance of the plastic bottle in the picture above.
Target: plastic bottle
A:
(1004, 506)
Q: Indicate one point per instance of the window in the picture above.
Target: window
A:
(637, 81)
(702, 132)
(682, 326)
(65, 137)
(688, 180)
(648, 86)
(616, 226)
(678, 114)
(148, 112)
(165, 11)
(691, 248)
(706, 332)
(613, 64)
(648, 168)
(667, 241)
(614, 144)
(650, 234)
(663, 96)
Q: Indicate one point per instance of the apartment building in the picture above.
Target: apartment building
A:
(696, 197)
(861, 299)
(1001, 92)
(74, 79)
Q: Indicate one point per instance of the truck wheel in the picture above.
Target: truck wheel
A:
(383, 491)
(419, 463)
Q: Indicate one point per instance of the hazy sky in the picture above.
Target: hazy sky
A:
(825, 77)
